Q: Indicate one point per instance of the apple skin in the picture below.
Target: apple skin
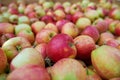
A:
(3, 61)
(28, 34)
(47, 19)
(68, 69)
(23, 19)
(92, 75)
(14, 45)
(37, 26)
(13, 19)
(92, 32)
(106, 69)
(28, 56)
(85, 45)
(41, 48)
(117, 29)
(26, 73)
(114, 13)
(64, 48)
(45, 35)
(70, 29)
(81, 23)
(6, 28)
(51, 26)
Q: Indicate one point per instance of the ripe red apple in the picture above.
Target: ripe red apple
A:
(14, 45)
(68, 69)
(29, 72)
(85, 45)
(28, 56)
(92, 32)
(47, 19)
(32, 15)
(63, 49)
(41, 48)
(45, 35)
(117, 29)
(106, 69)
(51, 26)
(6, 28)
(70, 29)
(3, 61)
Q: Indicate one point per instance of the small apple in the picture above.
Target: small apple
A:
(51, 26)
(13, 19)
(114, 13)
(47, 5)
(45, 35)
(64, 48)
(117, 29)
(75, 8)
(28, 56)
(3, 19)
(29, 72)
(21, 8)
(14, 45)
(23, 19)
(47, 19)
(37, 26)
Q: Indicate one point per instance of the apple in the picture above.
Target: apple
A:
(14, 45)
(32, 15)
(23, 19)
(66, 4)
(68, 17)
(70, 29)
(47, 19)
(68, 69)
(92, 32)
(75, 8)
(41, 48)
(47, 5)
(21, 8)
(60, 24)
(13, 19)
(59, 14)
(4, 9)
(92, 75)
(51, 26)
(91, 6)
(85, 45)
(6, 15)
(29, 8)
(113, 43)
(40, 13)
(117, 29)
(64, 48)
(3, 61)
(28, 56)
(105, 37)
(84, 4)
(102, 12)
(29, 72)
(6, 28)
(58, 5)
(106, 69)
(83, 22)
(114, 13)
(28, 34)
(3, 19)
(45, 35)
(37, 26)
(32, 20)
(21, 27)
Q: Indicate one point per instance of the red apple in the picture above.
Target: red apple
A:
(68, 69)
(14, 45)
(92, 32)
(63, 49)
(114, 13)
(85, 45)
(47, 19)
(45, 35)
(105, 60)
(41, 48)
(117, 29)
(30, 72)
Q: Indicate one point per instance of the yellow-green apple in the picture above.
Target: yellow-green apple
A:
(75, 8)
(91, 6)
(70, 29)
(40, 13)
(21, 8)
(117, 29)
(6, 15)
(92, 14)
(84, 4)
(29, 72)
(47, 19)
(3, 61)
(28, 34)
(85, 45)
(41, 48)
(59, 14)
(64, 48)
(14, 45)
(45, 35)
(3, 19)
(28, 56)
(68, 69)
(51, 26)
(60, 24)
(6, 28)
(5, 37)
(92, 75)
(104, 37)
(23, 20)
(21, 27)
(66, 4)
(83, 22)
(114, 13)
(106, 69)
(92, 32)
(13, 19)
(47, 5)
(37, 26)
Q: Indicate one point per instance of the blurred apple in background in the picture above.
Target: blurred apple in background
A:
(51, 26)
(13, 19)
(64, 48)
(23, 20)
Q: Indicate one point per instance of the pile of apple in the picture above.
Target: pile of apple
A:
(48, 40)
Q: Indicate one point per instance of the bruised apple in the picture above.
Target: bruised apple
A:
(61, 46)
